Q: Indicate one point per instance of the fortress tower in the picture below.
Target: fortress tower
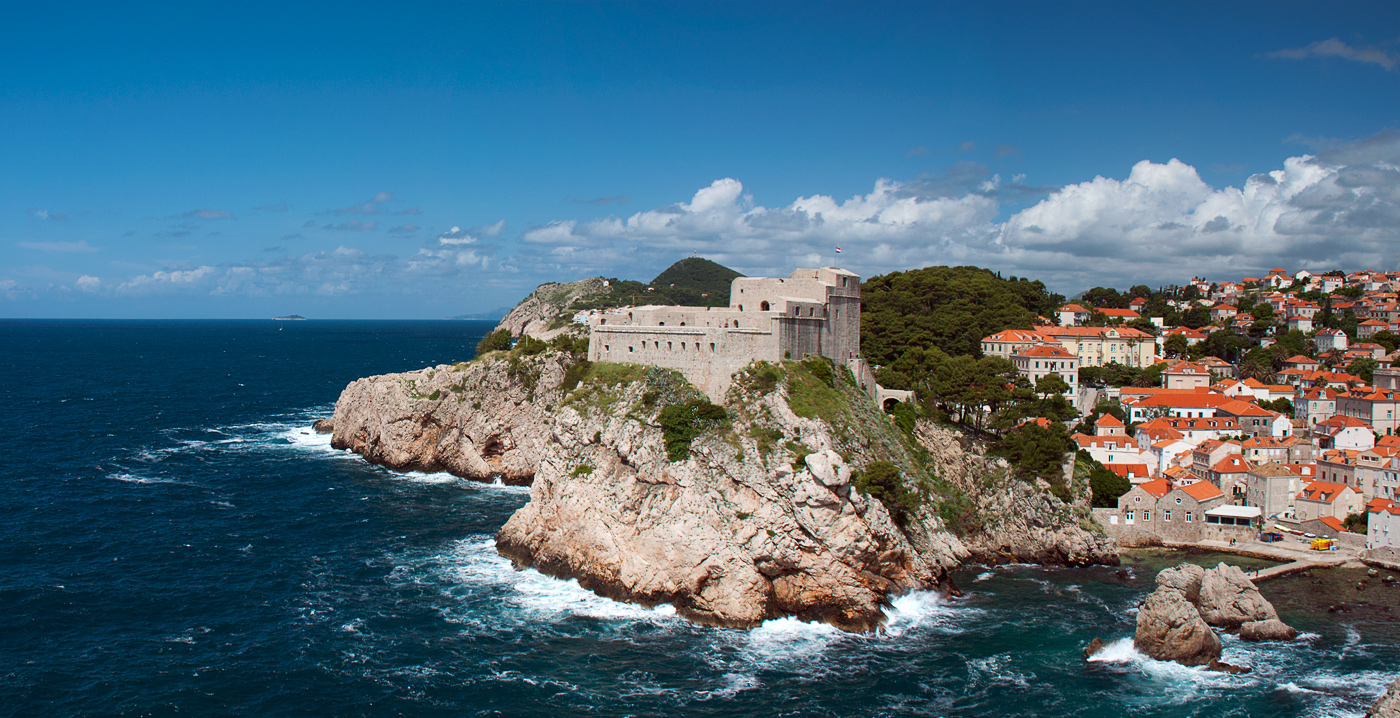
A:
(812, 311)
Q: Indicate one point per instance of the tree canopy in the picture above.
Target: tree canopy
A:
(947, 308)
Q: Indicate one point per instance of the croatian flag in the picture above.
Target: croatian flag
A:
(838, 250)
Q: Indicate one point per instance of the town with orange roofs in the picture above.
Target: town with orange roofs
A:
(1262, 410)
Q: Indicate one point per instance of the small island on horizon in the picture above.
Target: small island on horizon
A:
(289, 318)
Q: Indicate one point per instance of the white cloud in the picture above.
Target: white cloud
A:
(1160, 224)
(1334, 47)
(88, 283)
(79, 247)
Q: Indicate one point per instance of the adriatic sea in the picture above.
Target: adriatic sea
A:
(175, 540)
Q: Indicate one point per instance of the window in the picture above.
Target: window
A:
(1130, 515)
(1167, 515)
(763, 306)
(1178, 501)
(629, 349)
(1146, 515)
(1188, 517)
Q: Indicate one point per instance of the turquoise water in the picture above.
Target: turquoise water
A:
(177, 542)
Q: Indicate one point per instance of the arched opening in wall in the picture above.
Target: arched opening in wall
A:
(669, 346)
(736, 323)
(741, 307)
(712, 347)
(630, 349)
(889, 404)
(763, 306)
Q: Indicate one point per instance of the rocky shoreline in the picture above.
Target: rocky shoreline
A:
(761, 520)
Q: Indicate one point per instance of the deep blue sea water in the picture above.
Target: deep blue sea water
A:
(175, 541)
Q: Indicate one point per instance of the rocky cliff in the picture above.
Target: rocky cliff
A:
(535, 313)
(1008, 520)
(762, 512)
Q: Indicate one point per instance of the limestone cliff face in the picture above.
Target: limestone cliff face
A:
(1010, 520)
(760, 521)
(535, 313)
(746, 529)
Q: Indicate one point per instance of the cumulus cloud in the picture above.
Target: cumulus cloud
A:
(897, 223)
(88, 283)
(15, 291)
(1334, 47)
(1338, 209)
(1159, 224)
(458, 235)
(79, 247)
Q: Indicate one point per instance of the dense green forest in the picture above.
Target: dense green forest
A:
(945, 308)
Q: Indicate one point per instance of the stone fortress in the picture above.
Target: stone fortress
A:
(812, 311)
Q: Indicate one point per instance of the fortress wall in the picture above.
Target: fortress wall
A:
(814, 311)
(706, 356)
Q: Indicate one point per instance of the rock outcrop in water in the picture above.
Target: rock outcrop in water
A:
(1174, 623)
(761, 520)
(1169, 627)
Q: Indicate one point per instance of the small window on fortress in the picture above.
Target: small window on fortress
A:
(682, 323)
(629, 349)
(682, 346)
(661, 324)
(712, 347)
(607, 348)
(736, 321)
(604, 320)
(741, 307)
(669, 346)
(763, 306)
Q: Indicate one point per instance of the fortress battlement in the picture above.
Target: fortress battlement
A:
(812, 311)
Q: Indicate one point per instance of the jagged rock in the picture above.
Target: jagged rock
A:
(1093, 648)
(1372, 572)
(1271, 630)
(1230, 668)
(1185, 579)
(729, 536)
(1388, 705)
(323, 426)
(828, 468)
(1022, 523)
(1228, 598)
(1169, 628)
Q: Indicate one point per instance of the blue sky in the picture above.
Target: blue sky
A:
(370, 160)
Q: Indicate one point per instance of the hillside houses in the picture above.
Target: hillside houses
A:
(1213, 395)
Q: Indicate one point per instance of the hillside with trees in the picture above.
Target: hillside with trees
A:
(945, 308)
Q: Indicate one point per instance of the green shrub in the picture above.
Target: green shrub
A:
(881, 480)
(575, 374)
(765, 377)
(495, 341)
(582, 470)
(820, 367)
(681, 423)
(529, 346)
(905, 416)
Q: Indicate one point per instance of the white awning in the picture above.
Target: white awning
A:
(1238, 512)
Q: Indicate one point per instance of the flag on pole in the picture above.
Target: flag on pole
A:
(838, 250)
